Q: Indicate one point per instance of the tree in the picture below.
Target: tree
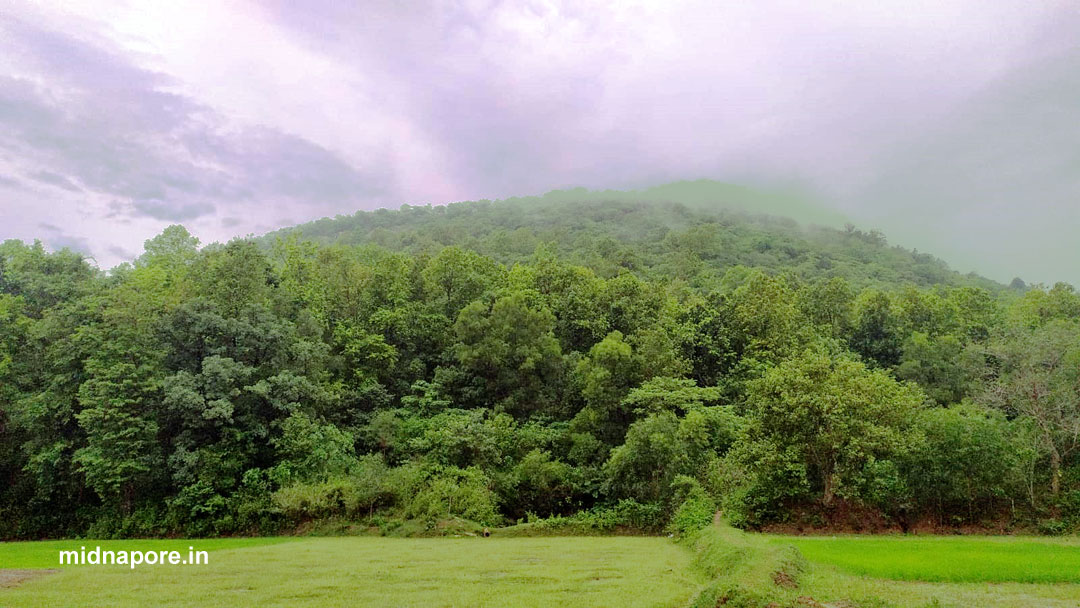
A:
(606, 375)
(876, 335)
(235, 276)
(174, 249)
(574, 294)
(511, 348)
(969, 461)
(1036, 375)
(455, 277)
(940, 365)
(828, 304)
(833, 418)
(122, 455)
(662, 446)
(763, 318)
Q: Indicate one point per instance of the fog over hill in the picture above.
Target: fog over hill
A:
(950, 126)
(995, 184)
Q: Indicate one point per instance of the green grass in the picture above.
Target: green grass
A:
(948, 558)
(718, 566)
(751, 570)
(372, 571)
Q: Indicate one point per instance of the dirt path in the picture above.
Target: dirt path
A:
(13, 578)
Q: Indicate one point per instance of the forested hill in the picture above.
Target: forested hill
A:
(640, 364)
(687, 230)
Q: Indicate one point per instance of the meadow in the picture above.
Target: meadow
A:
(948, 558)
(369, 571)
(717, 566)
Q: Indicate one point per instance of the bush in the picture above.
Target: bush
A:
(696, 510)
(539, 483)
(1053, 527)
(626, 514)
(437, 492)
(308, 449)
(352, 495)
(144, 522)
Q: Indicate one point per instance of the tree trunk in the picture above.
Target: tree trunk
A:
(830, 489)
(1055, 472)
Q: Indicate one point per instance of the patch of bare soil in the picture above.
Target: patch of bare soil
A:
(14, 577)
(783, 579)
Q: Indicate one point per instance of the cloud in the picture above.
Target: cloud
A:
(48, 177)
(996, 180)
(121, 253)
(74, 243)
(161, 210)
(10, 182)
(242, 116)
(91, 122)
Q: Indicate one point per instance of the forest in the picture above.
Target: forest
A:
(599, 365)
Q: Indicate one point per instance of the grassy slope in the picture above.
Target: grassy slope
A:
(367, 571)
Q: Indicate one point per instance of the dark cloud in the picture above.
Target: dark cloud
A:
(121, 253)
(97, 120)
(54, 179)
(172, 212)
(74, 243)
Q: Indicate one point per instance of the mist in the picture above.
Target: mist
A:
(952, 127)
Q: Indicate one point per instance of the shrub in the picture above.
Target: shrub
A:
(626, 514)
(352, 495)
(435, 492)
(696, 509)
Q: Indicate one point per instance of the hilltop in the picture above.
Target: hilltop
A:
(688, 230)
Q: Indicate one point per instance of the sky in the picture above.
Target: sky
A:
(951, 125)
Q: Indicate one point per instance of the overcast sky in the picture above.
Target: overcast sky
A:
(954, 126)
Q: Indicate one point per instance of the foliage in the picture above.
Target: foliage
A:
(696, 509)
(619, 363)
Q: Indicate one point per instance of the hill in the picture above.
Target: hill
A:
(576, 362)
(681, 230)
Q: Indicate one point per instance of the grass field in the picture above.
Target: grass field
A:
(367, 571)
(721, 566)
(948, 559)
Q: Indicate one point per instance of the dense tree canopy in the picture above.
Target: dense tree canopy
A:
(505, 362)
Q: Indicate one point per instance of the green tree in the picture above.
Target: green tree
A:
(876, 333)
(1035, 374)
(511, 348)
(832, 417)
